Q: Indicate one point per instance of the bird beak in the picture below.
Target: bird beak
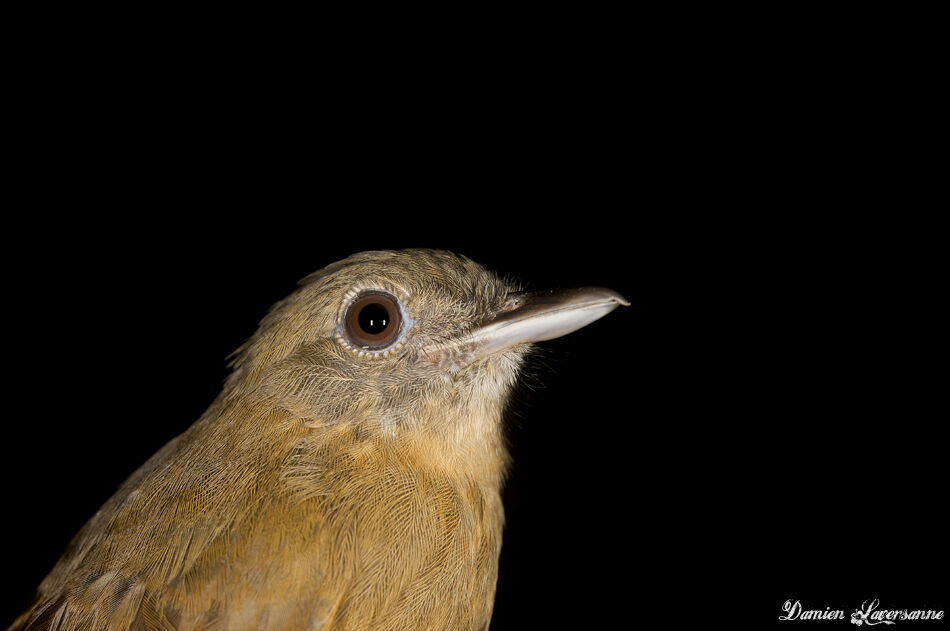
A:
(531, 317)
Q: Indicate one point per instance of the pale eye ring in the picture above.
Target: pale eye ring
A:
(373, 321)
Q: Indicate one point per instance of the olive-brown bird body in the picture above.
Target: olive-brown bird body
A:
(331, 485)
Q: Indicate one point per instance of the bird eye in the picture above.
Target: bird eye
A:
(373, 320)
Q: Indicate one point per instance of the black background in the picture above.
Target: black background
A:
(762, 424)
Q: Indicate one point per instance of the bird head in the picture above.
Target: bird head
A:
(409, 342)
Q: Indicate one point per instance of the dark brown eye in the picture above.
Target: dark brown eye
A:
(373, 320)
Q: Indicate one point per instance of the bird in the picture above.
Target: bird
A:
(349, 473)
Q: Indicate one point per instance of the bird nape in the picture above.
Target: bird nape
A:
(348, 475)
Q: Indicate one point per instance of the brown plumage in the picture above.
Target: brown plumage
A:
(332, 484)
